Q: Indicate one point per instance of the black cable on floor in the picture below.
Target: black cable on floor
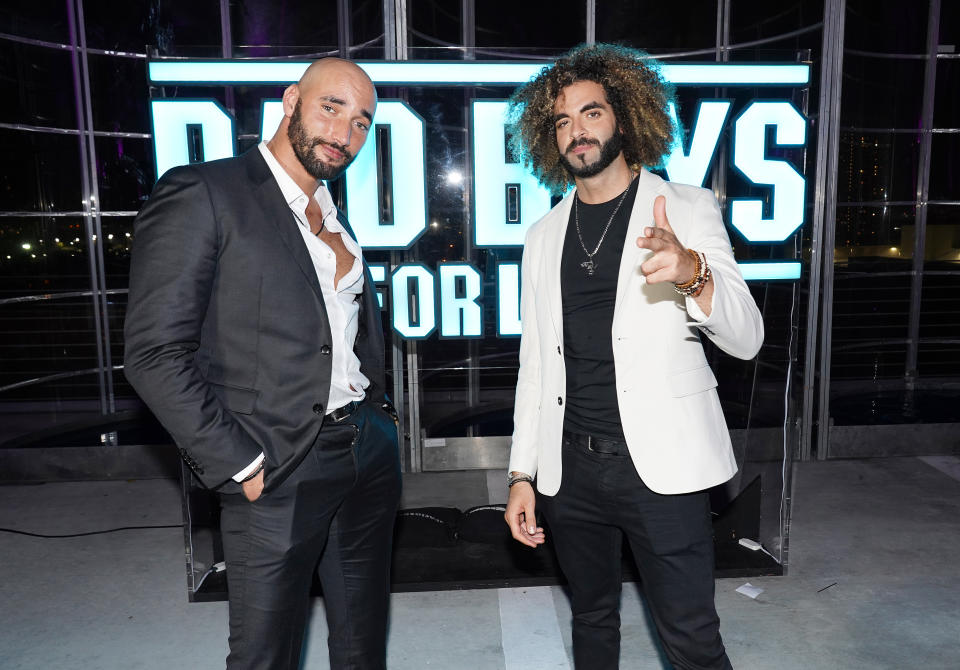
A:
(92, 532)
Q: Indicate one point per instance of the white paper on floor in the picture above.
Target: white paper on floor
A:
(750, 590)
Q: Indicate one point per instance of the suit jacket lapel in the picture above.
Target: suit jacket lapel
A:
(641, 216)
(552, 252)
(275, 209)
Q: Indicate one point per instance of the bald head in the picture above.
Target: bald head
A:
(336, 68)
(327, 116)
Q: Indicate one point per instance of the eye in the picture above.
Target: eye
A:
(329, 109)
(362, 126)
(561, 123)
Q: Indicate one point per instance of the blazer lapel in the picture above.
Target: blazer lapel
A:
(554, 235)
(275, 209)
(641, 216)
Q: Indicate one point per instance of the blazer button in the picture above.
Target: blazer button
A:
(325, 350)
(559, 400)
(558, 350)
(318, 409)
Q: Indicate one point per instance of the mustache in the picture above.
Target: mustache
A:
(583, 141)
(317, 141)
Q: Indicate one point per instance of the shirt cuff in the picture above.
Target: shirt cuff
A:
(696, 313)
(243, 474)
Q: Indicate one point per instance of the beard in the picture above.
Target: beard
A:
(609, 151)
(304, 145)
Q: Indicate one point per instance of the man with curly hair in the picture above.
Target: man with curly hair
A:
(617, 415)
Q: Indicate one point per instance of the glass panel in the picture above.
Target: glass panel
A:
(872, 236)
(259, 26)
(510, 26)
(36, 19)
(433, 23)
(37, 86)
(950, 24)
(118, 87)
(870, 320)
(943, 237)
(888, 26)
(877, 167)
(366, 24)
(946, 108)
(940, 310)
(939, 355)
(188, 28)
(945, 166)
(117, 237)
(125, 172)
(40, 256)
(881, 92)
(757, 19)
(654, 27)
(125, 26)
(40, 172)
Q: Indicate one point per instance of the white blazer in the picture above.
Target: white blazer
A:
(669, 409)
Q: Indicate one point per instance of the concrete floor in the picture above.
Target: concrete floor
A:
(873, 582)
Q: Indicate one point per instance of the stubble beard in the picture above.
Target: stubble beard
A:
(304, 145)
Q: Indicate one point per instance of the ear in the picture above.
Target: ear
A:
(290, 97)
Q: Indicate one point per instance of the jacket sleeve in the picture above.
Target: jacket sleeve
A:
(172, 273)
(735, 324)
(526, 413)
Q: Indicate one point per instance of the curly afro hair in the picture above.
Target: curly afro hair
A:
(634, 88)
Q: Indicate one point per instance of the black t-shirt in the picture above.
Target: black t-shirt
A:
(588, 302)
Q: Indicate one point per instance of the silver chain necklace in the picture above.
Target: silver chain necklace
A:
(588, 264)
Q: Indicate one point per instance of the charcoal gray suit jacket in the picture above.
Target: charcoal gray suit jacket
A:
(226, 337)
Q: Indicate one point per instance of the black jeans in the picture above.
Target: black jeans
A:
(600, 500)
(337, 507)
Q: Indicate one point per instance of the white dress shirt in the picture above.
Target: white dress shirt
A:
(347, 382)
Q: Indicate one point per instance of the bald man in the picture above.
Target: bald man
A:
(254, 334)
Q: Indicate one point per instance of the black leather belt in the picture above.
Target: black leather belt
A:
(343, 413)
(598, 445)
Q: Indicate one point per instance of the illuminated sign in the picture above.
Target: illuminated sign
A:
(506, 198)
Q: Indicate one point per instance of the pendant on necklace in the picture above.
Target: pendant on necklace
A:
(589, 266)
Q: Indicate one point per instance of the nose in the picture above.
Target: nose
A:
(342, 132)
(576, 129)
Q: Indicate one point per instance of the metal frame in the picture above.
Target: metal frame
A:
(468, 31)
(344, 28)
(923, 191)
(91, 201)
(404, 353)
(591, 36)
(824, 221)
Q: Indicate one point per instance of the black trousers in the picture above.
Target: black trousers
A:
(334, 513)
(601, 499)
